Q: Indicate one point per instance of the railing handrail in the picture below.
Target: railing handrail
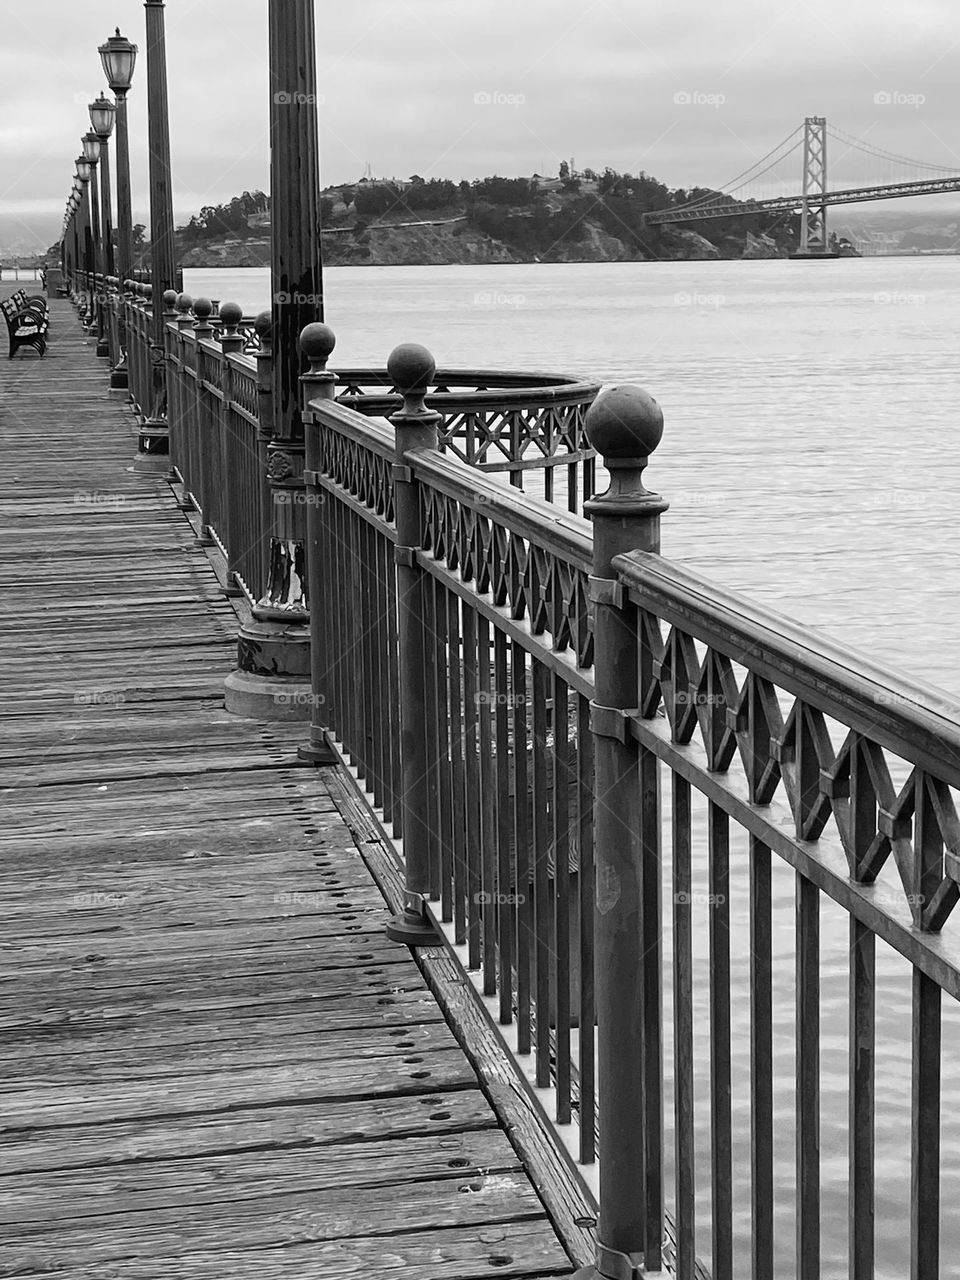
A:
(561, 532)
(917, 721)
(370, 432)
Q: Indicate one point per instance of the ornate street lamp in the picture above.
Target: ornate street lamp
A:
(119, 58)
(102, 115)
(91, 152)
(84, 172)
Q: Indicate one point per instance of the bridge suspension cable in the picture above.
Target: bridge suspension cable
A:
(756, 170)
(867, 148)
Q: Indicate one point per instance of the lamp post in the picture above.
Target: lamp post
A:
(119, 57)
(154, 431)
(273, 656)
(91, 153)
(83, 173)
(102, 115)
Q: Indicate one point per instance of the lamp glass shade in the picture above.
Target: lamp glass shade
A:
(102, 115)
(119, 57)
(83, 168)
(91, 148)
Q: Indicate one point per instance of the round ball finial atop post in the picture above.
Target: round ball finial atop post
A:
(170, 298)
(263, 328)
(231, 339)
(625, 424)
(231, 313)
(185, 308)
(317, 342)
(411, 368)
(203, 310)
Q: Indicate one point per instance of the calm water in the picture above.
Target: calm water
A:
(812, 460)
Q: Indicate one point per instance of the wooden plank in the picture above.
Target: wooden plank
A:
(271, 1220)
(85, 1064)
(52, 1196)
(305, 1125)
(504, 1249)
(72, 1036)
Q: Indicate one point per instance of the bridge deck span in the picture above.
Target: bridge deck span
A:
(214, 1063)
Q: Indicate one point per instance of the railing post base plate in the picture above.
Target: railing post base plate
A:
(152, 464)
(317, 753)
(412, 926)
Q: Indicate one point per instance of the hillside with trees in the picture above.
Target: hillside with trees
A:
(574, 216)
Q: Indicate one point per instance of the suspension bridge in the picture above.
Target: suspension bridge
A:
(766, 187)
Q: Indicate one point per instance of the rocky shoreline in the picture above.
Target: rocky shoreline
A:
(459, 243)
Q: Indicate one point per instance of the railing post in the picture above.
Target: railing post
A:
(231, 343)
(203, 332)
(182, 455)
(318, 383)
(171, 301)
(272, 680)
(263, 327)
(624, 425)
(411, 368)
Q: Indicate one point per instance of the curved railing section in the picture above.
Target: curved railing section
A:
(527, 425)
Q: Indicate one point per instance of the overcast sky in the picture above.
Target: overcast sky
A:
(692, 91)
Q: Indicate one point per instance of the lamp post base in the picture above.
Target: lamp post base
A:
(274, 698)
(272, 681)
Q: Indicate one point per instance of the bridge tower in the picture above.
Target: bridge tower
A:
(813, 217)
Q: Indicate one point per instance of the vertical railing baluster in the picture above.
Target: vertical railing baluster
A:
(457, 767)
(625, 425)
(521, 848)
(863, 1018)
(721, 1129)
(588, 1002)
(761, 1060)
(411, 368)
(507, 903)
(471, 760)
(683, 1057)
(808, 1078)
(562, 931)
(543, 966)
(925, 1130)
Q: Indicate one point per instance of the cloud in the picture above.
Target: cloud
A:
(399, 78)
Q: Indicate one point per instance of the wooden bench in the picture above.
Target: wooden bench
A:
(27, 322)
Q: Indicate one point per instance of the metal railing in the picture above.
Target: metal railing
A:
(512, 693)
(513, 689)
(218, 385)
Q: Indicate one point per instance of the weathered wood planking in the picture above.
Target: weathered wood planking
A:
(214, 1062)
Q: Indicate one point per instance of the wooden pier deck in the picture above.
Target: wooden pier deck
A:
(214, 1064)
